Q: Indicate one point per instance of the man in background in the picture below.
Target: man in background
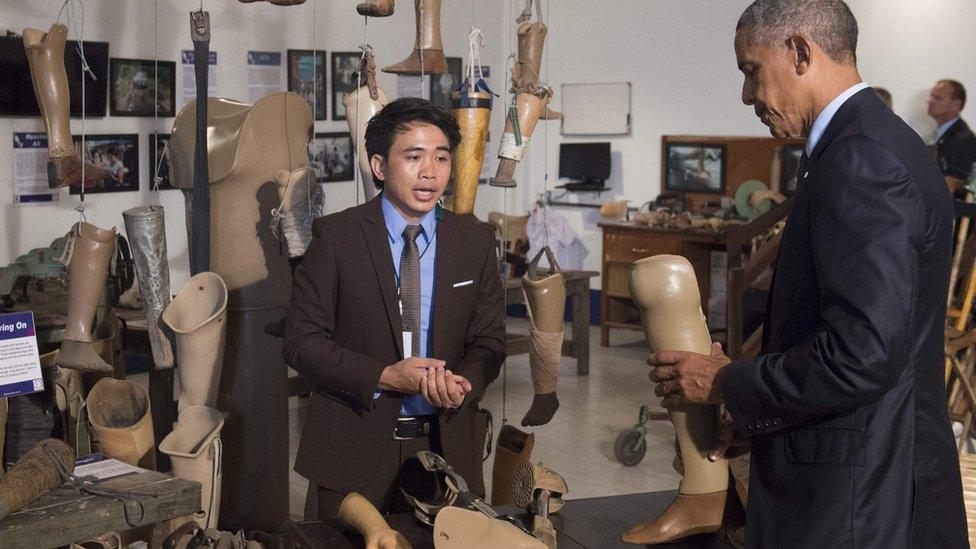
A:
(954, 142)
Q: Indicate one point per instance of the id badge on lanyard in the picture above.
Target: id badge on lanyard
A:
(407, 335)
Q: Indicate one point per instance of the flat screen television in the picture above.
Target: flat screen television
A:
(585, 162)
(17, 92)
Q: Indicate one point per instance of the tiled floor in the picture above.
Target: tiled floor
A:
(578, 443)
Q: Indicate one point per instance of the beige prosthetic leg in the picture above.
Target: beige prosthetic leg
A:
(666, 290)
(428, 51)
(473, 114)
(194, 448)
(514, 448)
(301, 203)
(121, 421)
(359, 514)
(376, 8)
(545, 299)
(510, 152)
(38, 472)
(456, 528)
(88, 256)
(45, 54)
(361, 105)
(198, 317)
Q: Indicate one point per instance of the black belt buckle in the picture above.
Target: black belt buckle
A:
(411, 427)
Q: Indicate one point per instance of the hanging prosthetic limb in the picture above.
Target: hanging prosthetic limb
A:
(198, 317)
(519, 126)
(194, 448)
(121, 421)
(664, 287)
(45, 54)
(87, 257)
(359, 514)
(514, 448)
(361, 105)
(146, 229)
(471, 107)
(545, 299)
(376, 8)
(35, 474)
(276, 2)
(428, 51)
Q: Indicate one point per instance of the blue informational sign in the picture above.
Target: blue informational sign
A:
(20, 364)
(269, 58)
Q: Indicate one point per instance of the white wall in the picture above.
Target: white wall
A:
(676, 53)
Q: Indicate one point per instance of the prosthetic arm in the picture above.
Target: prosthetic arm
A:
(360, 515)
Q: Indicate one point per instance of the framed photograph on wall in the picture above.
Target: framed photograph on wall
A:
(306, 77)
(695, 167)
(159, 158)
(443, 85)
(345, 66)
(331, 156)
(791, 168)
(135, 83)
(118, 155)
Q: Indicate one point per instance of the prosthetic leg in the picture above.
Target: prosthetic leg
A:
(38, 472)
(146, 229)
(545, 299)
(360, 515)
(88, 254)
(301, 203)
(428, 51)
(361, 105)
(471, 107)
(198, 317)
(513, 144)
(540, 490)
(513, 449)
(666, 290)
(121, 421)
(456, 528)
(195, 450)
(376, 8)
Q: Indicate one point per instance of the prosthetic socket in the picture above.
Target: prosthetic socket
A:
(195, 451)
(545, 299)
(146, 228)
(361, 105)
(87, 257)
(471, 107)
(376, 8)
(360, 515)
(121, 421)
(428, 51)
(301, 203)
(35, 474)
(456, 528)
(45, 54)
(514, 448)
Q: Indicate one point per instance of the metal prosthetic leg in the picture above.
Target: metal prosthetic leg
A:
(360, 515)
(666, 290)
(428, 51)
(545, 299)
(45, 54)
(528, 108)
(198, 317)
(376, 8)
(121, 421)
(145, 227)
(361, 105)
(513, 449)
(195, 450)
(38, 472)
(88, 256)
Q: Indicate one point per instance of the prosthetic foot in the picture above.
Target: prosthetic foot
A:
(121, 421)
(88, 254)
(514, 448)
(545, 298)
(198, 317)
(361, 105)
(145, 227)
(531, 481)
(472, 110)
(456, 528)
(664, 287)
(376, 8)
(38, 472)
(45, 54)
(360, 515)
(513, 144)
(194, 449)
(428, 51)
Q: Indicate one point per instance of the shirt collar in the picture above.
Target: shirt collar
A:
(940, 131)
(395, 223)
(823, 119)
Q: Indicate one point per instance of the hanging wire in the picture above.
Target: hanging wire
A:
(154, 191)
(366, 49)
(545, 136)
(85, 70)
(505, 227)
(424, 90)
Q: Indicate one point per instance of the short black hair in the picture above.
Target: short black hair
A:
(958, 90)
(829, 23)
(397, 117)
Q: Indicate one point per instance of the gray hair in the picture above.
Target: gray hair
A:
(829, 23)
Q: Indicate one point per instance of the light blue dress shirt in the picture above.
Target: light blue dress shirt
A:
(826, 115)
(415, 405)
(940, 131)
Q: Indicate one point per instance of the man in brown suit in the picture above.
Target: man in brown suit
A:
(399, 364)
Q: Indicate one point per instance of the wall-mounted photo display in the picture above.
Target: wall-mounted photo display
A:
(443, 85)
(331, 156)
(306, 77)
(345, 66)
(159, 161)
(118, 154)
(695, 167)
(142, 87)
(791, 168)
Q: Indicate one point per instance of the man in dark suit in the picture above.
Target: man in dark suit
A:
(954, 142)
(845, 408)
(396, 317)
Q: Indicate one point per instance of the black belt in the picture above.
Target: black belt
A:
(411, 427)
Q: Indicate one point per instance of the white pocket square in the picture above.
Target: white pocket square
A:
(465, 283)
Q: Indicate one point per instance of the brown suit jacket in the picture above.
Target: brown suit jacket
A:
(343, 329)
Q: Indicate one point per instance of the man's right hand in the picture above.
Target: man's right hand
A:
(405, 376)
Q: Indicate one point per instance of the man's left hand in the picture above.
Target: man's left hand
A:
(684, 377)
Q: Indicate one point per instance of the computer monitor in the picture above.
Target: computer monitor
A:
(584, 162)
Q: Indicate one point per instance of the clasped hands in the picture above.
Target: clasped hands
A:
(428, 377)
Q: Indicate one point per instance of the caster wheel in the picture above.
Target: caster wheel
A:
(630, 447)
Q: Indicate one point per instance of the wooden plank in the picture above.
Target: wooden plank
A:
(65, 516)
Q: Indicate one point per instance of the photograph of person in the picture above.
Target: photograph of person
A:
(331, 157)
(142, 87)
(118, 155)
(306, 77)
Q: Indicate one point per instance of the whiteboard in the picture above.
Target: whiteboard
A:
(596, 109)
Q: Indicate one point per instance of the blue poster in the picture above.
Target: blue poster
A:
(20, 363)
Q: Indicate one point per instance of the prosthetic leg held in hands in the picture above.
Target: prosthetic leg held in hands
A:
(195, 450)
(428, 51)
(145, 226)
(666, 290)
(361, 105)
(121, 421)
(545, 299)
(87, 257)
(471, 107)
(45, 54)
(360, 515)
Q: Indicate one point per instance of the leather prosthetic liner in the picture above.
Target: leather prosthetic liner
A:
(121, 421)
(145, 227)
(664, 287)
(194, 449)
(45, 54)
(545, 299)
(88, 257)
(198, 317)
(376, 8)
(456, 528)
(35, 474)
(528, 108)
(301, 203)
(359, 514)
(514, 448)
(472, 110)
(361, 105)
(428, 51)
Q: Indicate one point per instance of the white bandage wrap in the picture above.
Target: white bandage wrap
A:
(510, 150)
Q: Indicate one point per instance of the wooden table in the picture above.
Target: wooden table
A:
(578, 290)
(64, 516)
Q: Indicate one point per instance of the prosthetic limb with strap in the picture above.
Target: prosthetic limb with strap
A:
(362, 105)
(522, 117)
(545, 299)
(471, 107)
